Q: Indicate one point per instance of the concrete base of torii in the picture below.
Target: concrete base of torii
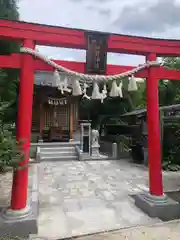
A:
(18, 223)
(161, 207)
(21, 223)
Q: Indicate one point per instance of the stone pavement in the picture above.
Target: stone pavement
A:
(163, 231)
(79, 198)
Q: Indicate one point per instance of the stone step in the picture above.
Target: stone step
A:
(59, 154)
(57, 158)
(58, 149)
(55, 144)
(64, 151)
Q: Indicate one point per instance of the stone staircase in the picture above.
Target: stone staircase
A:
(61, 151)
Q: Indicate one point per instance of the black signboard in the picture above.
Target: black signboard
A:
(96, 52)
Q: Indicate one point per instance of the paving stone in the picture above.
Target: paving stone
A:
(52, 223)
(92, 203)
(108, 195)
(94, 196)
(71, 205)
(85, 193)
(91, 221)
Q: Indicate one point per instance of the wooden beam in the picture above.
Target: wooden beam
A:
(75, 38)
(13, 61)
(42, 34)
(142, 49)
(26, 26)
(145, 40)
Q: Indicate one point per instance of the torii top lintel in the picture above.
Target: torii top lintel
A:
(75, 38)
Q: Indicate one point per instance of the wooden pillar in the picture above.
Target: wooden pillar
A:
(71, 121)
(154, 144)
(41, 122)
(24, 122)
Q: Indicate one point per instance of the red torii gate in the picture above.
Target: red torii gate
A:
(30, 35)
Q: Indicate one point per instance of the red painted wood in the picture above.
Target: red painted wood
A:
(145, 40)
(142, 49)
(43, 38)
(80, 67)
(154, 143)
(20, 178)
(80, 32)
(13, 61)
(74, 38)
(163, 73)
(41, 28)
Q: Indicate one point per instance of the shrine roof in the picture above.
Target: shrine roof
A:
(142, 112)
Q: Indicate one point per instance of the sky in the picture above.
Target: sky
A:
(150, 18)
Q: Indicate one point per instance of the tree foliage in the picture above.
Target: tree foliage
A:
(9, 83)
(169, 94)
(9, 78)
(9, 10)
(10, 152)
(95, 110)
(170, 90)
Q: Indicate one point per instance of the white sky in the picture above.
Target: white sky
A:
(152, 18)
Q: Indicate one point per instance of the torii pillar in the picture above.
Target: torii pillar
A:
(155, 203)
(154, 131)
(21, 218)
(24, 120)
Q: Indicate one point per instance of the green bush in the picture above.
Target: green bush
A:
(171, 147)
(10, 154)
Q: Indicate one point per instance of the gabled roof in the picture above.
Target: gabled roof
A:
(142, 112)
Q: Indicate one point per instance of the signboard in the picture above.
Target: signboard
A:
(96, 52)
(57, 101)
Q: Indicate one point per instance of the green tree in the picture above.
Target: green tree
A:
(169, 94)
(9, 10)
(10, 155)
(10, 150)
(9, 78)
(169, 91)
(137, 98)
(95, 110)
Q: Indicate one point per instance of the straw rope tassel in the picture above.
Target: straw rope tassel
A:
(114, 90)
(132, 86)
(120, 90)
(95, 93)
(66, 88)
(56, 79)
(76, 87)
(104, 93)
(85, 92)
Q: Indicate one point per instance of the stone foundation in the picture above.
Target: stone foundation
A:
(163, 207)
(21, 224)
